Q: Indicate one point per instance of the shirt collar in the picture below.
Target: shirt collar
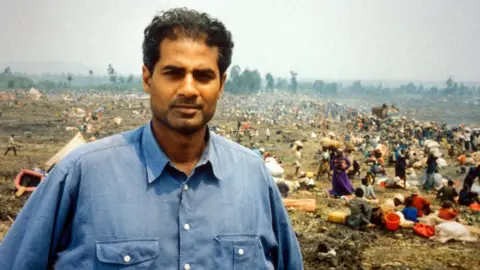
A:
(156, 159)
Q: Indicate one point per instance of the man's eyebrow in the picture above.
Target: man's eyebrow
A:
(172, 68)
(205, 71)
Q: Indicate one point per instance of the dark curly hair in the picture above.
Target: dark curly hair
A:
(190, 24)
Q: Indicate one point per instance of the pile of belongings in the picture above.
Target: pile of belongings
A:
(273, 167)
(444, 230)
(433, 148)
(331, 144)
(307, 180)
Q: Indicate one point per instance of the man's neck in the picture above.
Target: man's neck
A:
(184, 151)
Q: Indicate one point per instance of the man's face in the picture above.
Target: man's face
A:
(185, 85)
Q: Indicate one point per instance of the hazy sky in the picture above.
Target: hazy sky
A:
(403, 39)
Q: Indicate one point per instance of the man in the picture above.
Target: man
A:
(169, 195)
(430, 172)
(473, 173)
(11, 145)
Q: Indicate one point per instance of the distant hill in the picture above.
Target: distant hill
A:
(14, 82)
(54, 67)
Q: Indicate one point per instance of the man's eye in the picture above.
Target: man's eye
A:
(203, 77)
(174, 74)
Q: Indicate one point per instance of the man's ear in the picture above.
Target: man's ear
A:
(146, 79)
(223, 79)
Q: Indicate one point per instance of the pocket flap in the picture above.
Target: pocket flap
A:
(127, 252)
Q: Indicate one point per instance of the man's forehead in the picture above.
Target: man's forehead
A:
(188, 53)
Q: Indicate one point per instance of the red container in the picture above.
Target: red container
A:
(33, 179)
(392, 221)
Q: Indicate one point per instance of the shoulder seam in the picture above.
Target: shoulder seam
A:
(223, 144)
(75, 161)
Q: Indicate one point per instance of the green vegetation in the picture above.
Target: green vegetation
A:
(10, 81)
(246, 81)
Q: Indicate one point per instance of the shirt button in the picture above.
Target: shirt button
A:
(126, 258)
(240, 251)
(187, 266)
(186, 227)
(185, 187)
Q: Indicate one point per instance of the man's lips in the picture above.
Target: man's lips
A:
(187, 109)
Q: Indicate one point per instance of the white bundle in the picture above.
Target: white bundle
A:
(292, 185)
(117, 120)
(442, 163)
(452, 230)
(273, 167)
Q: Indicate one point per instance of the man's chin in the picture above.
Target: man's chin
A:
(186, 127)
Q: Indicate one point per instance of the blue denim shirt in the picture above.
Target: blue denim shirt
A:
(119, 203)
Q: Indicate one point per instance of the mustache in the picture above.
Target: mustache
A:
(181, 102)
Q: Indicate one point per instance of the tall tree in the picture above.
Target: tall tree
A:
(449, 82)
(293, 81)
(319, 85)
(130, 78)
(112, 74)
(235, 72)
(270, 82)
(7, 71)
(69, 78)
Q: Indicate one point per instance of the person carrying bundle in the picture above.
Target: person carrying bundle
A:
(298, 156)
(340, 182)
(324, 167)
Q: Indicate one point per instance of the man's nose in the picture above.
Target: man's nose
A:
(188, 87)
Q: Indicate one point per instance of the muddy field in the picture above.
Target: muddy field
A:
(41, 132)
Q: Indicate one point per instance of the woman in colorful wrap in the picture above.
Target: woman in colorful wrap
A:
(340, 183)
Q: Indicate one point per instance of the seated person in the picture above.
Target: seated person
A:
(368, 191)
(410, 212)
(467, 197)
(388, 206)
(446, 212)
(355, 170)
(447, 193)
(422, 205)
(398, 200)
(360, 212)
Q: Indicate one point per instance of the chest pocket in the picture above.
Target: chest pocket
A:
(239, 252)
(127, 254)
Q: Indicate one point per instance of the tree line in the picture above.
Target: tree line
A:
(240, 81)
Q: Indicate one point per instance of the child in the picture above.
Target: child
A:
(368, 191)
(360, 212)
(448, 193)
(410, 212)
(446, 212)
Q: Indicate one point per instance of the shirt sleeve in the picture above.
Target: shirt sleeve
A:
(288, 254)
(36, 234)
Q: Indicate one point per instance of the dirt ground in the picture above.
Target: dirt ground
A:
(373, 249)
